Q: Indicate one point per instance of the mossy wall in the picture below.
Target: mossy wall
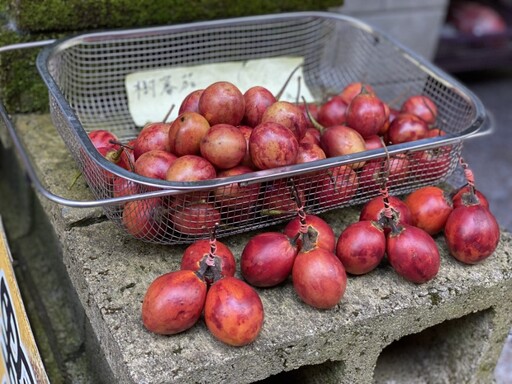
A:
(21, 88)
(66, 15)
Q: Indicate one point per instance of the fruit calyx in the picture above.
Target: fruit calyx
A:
(309, 239)
(210, 267)
(469, 198)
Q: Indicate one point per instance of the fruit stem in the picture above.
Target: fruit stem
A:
(470, 177)
(75, 179)
(275, 212)
(168, 113)
(211, 266)
(299, 84)
(313, 121)
(281, 91)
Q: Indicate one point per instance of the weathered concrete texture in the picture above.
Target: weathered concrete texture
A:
(463, 313)
(74, 15)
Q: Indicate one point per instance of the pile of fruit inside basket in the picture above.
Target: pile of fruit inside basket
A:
(221, 132)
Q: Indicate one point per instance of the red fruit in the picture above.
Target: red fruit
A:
(406, 127)
(340, 140)
(472, 233)
(332, 112)
(235, 199)
(199, 251)
(257, 100)
(288, 115)
(324, 235)
(434, 162)
(430, 208)
(124, 187)
(154, 163)
(366, 114)
(374, 172)
(224, 146)
(186, 132)
(336, 186)
(312, 136)
(373, 142)
(144, 219)
(464, 197)
(191, 102)
(435, 132)
(246, 131)
(353, 89)
(374, 210)
(194, 218)
(278, 198)
(421, 106)
(100, 177)
(361, 247)
(477, 20)
(267, 259)
(173, 302)
(272, 145)
(103, 138)
(413, 253)
(319, 278)
(152, 136)
(309, 152)
(222, 103)
(313, 109)
(390, 115)
(190, 168)
(233, 312)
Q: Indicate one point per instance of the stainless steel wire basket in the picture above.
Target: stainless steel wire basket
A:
(85, 77)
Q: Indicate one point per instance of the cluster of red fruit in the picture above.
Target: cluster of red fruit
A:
(220, 132)
(204, 286)
(308, 251)
(404, 230)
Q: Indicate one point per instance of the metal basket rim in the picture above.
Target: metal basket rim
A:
(183, 187)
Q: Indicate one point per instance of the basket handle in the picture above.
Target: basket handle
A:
(43, 190)
(487, 126)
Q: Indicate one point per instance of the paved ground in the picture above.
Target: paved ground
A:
(490, 157)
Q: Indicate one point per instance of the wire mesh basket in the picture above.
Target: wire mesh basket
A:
(85, 76)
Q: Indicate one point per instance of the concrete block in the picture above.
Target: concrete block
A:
(457, 322)
(416, 24)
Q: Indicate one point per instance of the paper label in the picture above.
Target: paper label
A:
(152, 93)
(20, 361)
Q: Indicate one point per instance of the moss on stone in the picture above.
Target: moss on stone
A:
(72, 15)
(21, 88)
